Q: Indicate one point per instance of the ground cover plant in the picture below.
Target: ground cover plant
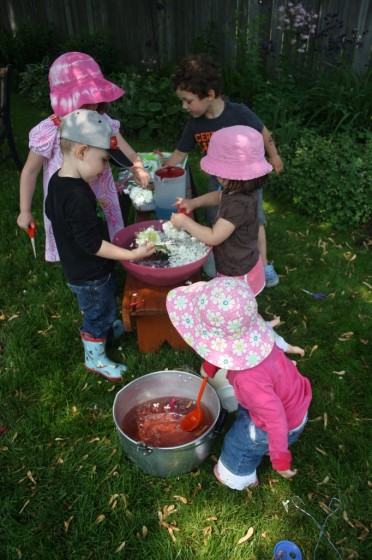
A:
(67, 488)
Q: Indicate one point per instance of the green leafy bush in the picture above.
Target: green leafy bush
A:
(99, 45)
(328, 179)
(150, 108)
(34, 83)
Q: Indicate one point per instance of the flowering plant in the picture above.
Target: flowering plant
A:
(180, 247)
(140, 196)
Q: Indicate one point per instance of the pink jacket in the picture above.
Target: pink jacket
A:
(277, 398)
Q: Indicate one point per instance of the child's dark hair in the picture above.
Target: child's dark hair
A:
(244, 187)
(198, 74)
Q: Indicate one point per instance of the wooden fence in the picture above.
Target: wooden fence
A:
(166, 30)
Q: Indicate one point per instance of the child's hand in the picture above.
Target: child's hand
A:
(288, 473)
(103, 202)
(185, 204)
(277, 163)
(178, 220)
(141, 176)
(143, 251)
(295, 350)
(24, 219)
(202, 371)
(275, 322)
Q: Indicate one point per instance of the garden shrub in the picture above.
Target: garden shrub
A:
(34, 84)
(150, 108)
(328, 179)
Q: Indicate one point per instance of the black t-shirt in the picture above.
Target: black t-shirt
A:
(79, 227)
(199, 130)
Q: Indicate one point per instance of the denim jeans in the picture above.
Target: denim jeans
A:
(96, 299)
(245, 444)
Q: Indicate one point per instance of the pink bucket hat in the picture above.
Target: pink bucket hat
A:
(219, 320)
(75, 79)
(236, 152)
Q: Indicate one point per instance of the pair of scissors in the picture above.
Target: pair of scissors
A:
(31, 230)
(314, 294)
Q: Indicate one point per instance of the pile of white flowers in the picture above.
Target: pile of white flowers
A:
(140, 196)
(179, 245)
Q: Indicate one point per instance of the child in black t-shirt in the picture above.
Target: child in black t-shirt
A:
(87, 257)
(198, 85)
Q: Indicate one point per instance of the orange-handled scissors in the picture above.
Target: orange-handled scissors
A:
(31, 230)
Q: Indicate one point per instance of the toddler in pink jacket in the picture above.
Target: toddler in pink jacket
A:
(219, 320)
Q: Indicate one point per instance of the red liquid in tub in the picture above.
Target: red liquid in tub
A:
(157, 422)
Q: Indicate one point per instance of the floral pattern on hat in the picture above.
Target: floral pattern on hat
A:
(219, 320)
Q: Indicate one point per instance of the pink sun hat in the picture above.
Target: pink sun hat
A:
(219, 320)
(236, 152)
(75, 79)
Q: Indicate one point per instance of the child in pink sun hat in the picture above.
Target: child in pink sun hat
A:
(236, 156)
(76, 82)
(219, 320)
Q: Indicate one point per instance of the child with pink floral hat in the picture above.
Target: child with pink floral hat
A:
(76, 82)
(236, 156)
(219, 320)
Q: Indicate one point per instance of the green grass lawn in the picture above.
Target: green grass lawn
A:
(67, 489)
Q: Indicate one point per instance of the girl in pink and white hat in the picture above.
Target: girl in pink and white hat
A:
(76, 82)
(236, 156)
(219, 320)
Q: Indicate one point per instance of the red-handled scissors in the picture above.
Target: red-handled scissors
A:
(31, 230)
(181, 210)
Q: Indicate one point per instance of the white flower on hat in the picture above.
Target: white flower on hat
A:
(218, 344)
(202, 349)
(188, 320)
(253, 359)
(203, 301)
(226, 361)
(265, 349)
(235, 327)
(189, 339)
(227, 303)
(180, 302)
(218, 332)
(250, 307)
(215, 318)
(201, 331)
(239, 347)
(255, 338)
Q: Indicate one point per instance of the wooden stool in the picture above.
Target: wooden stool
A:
(144, 308)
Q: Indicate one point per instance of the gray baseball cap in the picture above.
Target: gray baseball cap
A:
(92, 128)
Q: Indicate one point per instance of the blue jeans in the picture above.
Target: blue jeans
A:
(245, 444)
(96, 299)
(211, 211)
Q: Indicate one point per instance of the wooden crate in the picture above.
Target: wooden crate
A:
(144, 309)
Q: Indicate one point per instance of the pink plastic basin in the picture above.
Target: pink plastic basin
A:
(154, 276)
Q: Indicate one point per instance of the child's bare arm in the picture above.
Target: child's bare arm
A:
(140, 175)
(176, 158)
(110, 251)
(271, 151)
(283, 344)
(29, 175)
(208, 199)
(210, 236)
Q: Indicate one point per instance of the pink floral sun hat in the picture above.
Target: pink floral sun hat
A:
(219, 320)
(236, 152)
(75, 79)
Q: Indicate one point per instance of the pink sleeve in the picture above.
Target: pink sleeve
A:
(115, 124)
(42, 138)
